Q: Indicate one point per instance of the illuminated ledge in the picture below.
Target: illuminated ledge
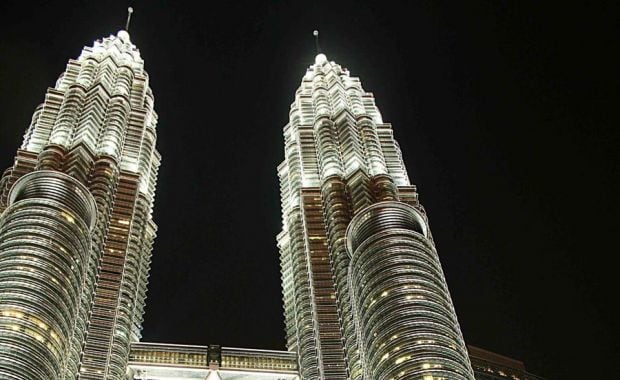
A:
(156, 361)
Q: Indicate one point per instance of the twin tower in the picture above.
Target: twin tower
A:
(364, 293)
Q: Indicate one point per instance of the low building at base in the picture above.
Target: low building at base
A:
(488, 365)
(157, 361)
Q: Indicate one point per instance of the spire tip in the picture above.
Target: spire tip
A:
(316, 41)
(129, 12)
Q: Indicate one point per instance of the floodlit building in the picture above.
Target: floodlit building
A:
(364, 292)
(76, 229)
(152, 361)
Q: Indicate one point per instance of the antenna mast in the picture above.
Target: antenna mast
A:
(316, 41)
(129, 12)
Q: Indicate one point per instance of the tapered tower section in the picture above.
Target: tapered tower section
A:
(364, 293)
(76, 227)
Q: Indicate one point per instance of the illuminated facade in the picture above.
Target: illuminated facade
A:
(153, 361)
(364, 292)
(76, 229)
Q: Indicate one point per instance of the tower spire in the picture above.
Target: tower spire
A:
(129, 12)
(316, 41)
(320, 57)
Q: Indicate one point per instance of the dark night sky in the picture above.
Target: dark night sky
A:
(506, 115)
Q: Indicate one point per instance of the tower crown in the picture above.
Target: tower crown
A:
(320, 59)
(118, 47)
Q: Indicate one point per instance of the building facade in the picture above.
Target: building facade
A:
(364, 292)
(76, 228)
(154, 361)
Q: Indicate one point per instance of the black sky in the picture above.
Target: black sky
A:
(506, 114)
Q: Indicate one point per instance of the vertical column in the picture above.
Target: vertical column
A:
(337, 217)
(328, 334)
(304, 314)
(403, 311)
(99, 352)
(44, 246)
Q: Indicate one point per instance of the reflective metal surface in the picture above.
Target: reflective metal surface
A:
(403, 309)
(44, 249)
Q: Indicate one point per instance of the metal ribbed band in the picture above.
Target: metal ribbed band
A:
(44, 247)
(403, 311)
(383, 216)
(59, 187)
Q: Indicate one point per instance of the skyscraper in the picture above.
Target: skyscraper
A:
(364, 292)
(76, 229)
